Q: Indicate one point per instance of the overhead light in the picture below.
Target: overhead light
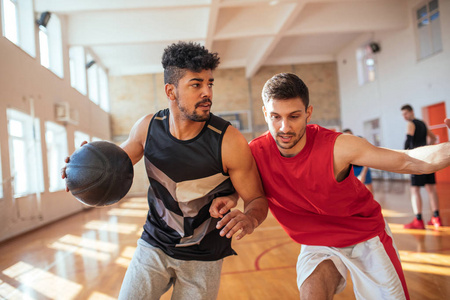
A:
(44, 18)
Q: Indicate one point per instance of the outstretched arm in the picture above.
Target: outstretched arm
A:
(422, 160)
(239, 163)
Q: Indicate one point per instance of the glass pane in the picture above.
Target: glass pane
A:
(433, 5)
(421, 12)
(10, 18)
(436, 35)
(15, 128)
(434, 16)
(19, 171)
(43, 46)
(423, 23)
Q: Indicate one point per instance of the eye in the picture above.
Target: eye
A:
(211, 85)
(295, 117)
(196, 85)
(274, 117)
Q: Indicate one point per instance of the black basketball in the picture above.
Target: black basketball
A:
(99, 173)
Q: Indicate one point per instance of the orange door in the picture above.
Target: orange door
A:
(435, 115)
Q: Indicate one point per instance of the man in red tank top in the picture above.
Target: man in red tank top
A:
(307, 176)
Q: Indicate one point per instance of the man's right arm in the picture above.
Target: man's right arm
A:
(134, 145)
(410, 130)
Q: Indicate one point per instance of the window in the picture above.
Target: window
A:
(25, 153)
(92, 74)
(428, 29)
(97, 84)
(18, 24)
(366, 63)
(79, 138)
(77, 64)
(50, 45)
(103, 89)
(56, 141)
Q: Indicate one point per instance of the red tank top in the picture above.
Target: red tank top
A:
(305, 198)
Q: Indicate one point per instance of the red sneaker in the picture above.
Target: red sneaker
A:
(415, 224)
(436, 222)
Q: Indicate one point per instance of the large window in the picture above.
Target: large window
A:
(18, 23)
(97, 83)
(25, 153)
(77, 63)
(366, 63)
(56, 142)
(50, 45)
(428, 28)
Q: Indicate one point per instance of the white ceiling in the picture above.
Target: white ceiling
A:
(129, 36)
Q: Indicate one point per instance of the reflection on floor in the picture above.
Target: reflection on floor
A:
(85, 256)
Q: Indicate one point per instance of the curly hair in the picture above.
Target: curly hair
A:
(182, 56)
(285, 86)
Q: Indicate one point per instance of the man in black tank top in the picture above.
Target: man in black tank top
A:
(192, 159)
(416, 136)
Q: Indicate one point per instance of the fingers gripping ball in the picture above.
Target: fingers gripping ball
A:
(99, 173)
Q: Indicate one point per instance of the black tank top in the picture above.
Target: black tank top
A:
(185, 176)
(420, 134)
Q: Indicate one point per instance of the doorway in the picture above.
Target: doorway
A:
(434, 116)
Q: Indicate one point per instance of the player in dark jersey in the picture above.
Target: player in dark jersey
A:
(192, 159)
(416, 136)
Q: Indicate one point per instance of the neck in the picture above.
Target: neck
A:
(184, 129)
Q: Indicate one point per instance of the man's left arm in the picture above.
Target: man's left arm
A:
(239, 163)
(421, 160)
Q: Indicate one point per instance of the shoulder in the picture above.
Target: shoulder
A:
(261, 141)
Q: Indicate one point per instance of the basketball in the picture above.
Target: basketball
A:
(99, 173)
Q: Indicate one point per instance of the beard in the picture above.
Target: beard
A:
(296, 137)
(194, 115)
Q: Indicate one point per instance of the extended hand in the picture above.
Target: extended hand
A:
(66, 160)
(221, 205)
(236, 221)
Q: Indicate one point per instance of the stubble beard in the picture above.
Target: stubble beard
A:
(194, 116)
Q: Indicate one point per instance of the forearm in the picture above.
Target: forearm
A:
(256, 210)
(429, 159)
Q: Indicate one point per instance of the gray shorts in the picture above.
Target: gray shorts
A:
(151, 273)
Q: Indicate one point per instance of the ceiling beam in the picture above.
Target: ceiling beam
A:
(259, 58)
(212, 21)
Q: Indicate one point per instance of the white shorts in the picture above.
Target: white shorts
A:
(374, 267)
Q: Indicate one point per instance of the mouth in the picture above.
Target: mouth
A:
(285, 138)
(205, 104)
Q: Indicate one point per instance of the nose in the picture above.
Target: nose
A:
(206, 92)
(284, 126)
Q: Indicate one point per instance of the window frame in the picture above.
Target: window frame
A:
(32, 146)
(431, 37)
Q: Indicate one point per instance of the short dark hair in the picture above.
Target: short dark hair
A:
(407, 107)
(285, 86)
(182, 56)
(347, 130)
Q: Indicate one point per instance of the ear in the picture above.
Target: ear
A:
(170, 91)
(309, 111)
(264, 112)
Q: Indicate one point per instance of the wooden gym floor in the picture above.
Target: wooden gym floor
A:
(85, 256)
